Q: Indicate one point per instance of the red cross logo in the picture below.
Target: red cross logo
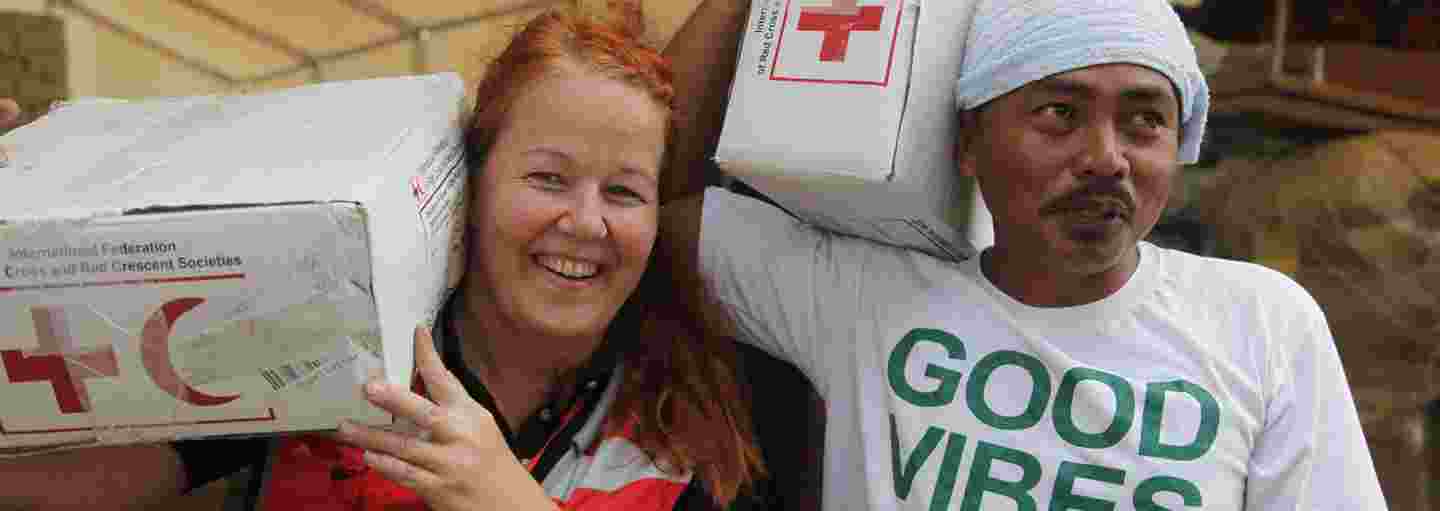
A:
(65, 365)
(837, 21)
(62, 362)
(417, 187)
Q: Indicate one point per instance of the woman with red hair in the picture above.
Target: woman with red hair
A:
(565, 329)
(564, 345)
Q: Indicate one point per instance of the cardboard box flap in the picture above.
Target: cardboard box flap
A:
(132, 159)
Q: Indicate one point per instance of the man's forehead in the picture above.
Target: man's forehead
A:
(1128, 81)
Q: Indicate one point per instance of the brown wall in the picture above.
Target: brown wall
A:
(33, 59)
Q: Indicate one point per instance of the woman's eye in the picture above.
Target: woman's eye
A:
(626, 193)
(547, 180)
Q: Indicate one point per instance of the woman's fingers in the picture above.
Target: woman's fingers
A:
(409, 448)
(409, 406)
(458, 442)
(401, 472)
(442, 385)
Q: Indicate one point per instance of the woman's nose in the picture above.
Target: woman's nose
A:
(586, 217)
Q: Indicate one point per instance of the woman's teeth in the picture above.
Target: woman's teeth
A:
(569, 267)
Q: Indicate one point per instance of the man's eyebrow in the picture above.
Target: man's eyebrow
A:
(1147, 94)
(1140, 93)
(1064, 86)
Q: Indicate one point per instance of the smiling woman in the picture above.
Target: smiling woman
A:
(566, 203)
(565, 346)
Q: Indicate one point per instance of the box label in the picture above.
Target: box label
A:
(437, 184)
(40, 267)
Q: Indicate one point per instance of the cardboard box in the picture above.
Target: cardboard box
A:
(222, 265)
(843, 112)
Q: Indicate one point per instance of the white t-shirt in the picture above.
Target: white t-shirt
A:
(1201, 384)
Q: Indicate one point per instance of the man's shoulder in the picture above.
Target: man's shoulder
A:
(1227, 280)
(1209, 270)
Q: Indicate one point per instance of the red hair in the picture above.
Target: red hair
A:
(537, 51)
(679, 391)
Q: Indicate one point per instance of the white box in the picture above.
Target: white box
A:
(843, 112)
(222, 265)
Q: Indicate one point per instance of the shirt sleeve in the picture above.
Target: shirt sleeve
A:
(792, 290)
(1312, 453)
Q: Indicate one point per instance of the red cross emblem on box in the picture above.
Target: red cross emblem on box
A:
(60, 361)
(837, 22)
(417, 187)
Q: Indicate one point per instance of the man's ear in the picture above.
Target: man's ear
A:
(967, 133)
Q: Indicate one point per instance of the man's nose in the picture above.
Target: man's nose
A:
(1103, 154)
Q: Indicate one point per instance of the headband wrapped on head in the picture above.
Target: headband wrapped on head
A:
(1015, 42)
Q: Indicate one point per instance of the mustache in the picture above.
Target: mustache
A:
(1096, 192)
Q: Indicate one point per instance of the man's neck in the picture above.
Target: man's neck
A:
(1040, 283)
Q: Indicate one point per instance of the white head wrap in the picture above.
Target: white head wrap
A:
(1015, 42)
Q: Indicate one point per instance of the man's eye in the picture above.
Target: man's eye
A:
(1150, 120)
(1060, 110)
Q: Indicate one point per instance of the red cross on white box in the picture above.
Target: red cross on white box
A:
(837, 21)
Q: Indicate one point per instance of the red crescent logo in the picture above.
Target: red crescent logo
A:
(155, 354)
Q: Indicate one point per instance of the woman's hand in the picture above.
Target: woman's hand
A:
(458, 459)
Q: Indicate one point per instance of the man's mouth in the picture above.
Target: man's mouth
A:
(573, 269)
(1094, 209)
(1099, 213)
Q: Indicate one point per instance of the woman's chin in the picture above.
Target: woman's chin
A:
(564, 325)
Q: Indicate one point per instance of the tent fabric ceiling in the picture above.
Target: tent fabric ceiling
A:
(250, 45)
(252, 41)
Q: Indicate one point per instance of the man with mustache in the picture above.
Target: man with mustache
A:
(1071, 365)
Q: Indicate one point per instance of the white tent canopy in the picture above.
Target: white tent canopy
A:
(169, 47)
